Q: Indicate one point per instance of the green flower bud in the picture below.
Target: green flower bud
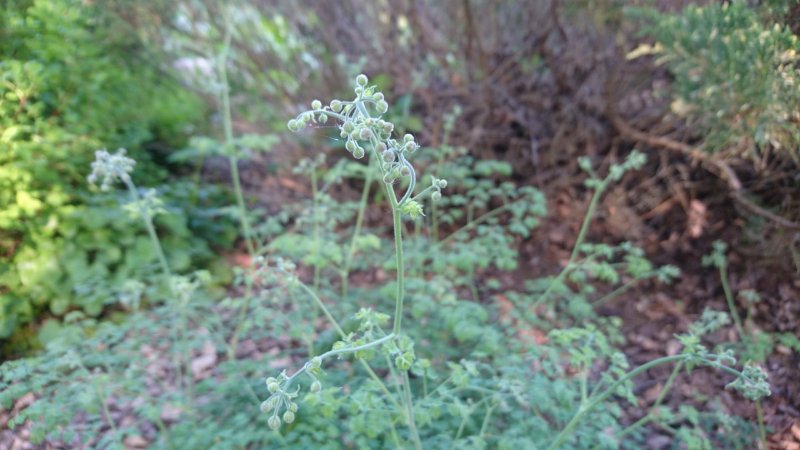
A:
(389, 177)
(381, 107)
(336, 105)
(266, 405)
(342, 134)
(274, 422)
(442, 184)
(362, 80)
(273, 387)
(288, 417)
(412, 209)
(388, 127)
(293, 407)
(364, 134)
(410, 147)
(378, 96)
(359, 152)
(381, 147)
(358, 90)
(323, 118)
(316, 386)
(405, 171)
(316, 362)
(292, 125)
(436, 196)
(348, 127)
(316, 104)
(350, 145)
(388, 156)
(408, 138)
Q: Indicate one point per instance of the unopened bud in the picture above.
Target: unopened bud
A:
(274, 422)
(442, 184)
(362, 80)
(350, 145)
(359, 152)
(436, 196)
(273, 387)
(408, 138)
(381, 107)
(336, 105)
(288, 417)
(316, 104)
(316, 386)
(364, 134)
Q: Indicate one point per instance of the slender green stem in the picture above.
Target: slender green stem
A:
(233, 161)
(586, 407)
(147, 218)
(395, 438)
(398, 246)
(340, 351)
(478, 220)
(726, 287)
(341, 333)
(486, 419)
(412, 424)
(227, 126)
(613, 294)
(587, 220)
(584, 381)
(317, 242)
(661, 395)
(762, 432)
(599, 398)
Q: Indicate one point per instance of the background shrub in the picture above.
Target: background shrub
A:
(74, 79)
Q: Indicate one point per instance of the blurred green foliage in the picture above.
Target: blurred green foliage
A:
(73, 78)
(736, 75)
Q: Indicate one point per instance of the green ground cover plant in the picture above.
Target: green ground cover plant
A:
(340, 357)
(735, 68)
(73, 78)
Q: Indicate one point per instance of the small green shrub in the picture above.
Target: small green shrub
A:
(736, 76)
(72, 79)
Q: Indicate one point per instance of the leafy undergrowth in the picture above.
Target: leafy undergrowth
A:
(486, 359)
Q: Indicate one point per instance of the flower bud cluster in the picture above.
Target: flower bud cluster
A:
(752, 383)
(358, 128)
(437, 184)
(281, 271)
(281, 399)
(148, 204)
(109, 168)
(394, 154)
